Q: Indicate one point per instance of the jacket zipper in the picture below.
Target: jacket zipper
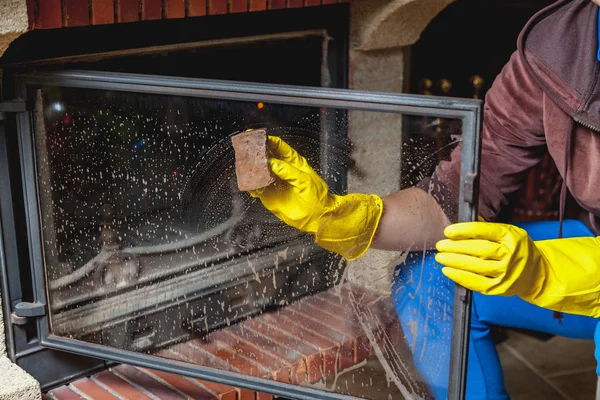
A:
(586, 124)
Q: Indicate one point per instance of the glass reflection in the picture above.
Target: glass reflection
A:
(150, 247)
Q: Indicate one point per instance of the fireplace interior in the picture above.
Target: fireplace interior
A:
(301, 47)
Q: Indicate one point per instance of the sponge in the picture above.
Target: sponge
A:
(251, 164)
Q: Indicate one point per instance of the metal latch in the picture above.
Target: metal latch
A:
(13, 106)
(24, 310)
(470, 184)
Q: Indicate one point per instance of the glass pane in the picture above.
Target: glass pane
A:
(150, 247)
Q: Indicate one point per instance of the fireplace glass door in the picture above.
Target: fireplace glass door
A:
(144, 251)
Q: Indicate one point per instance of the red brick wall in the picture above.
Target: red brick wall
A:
(297, 344)
(48, 14)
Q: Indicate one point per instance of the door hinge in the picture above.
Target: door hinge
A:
(24, 310)
(13, 106)
(470, 187)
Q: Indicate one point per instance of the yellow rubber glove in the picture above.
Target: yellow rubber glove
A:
(300, 198)
(499, 259)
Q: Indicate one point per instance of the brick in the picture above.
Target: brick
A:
(348, 312)
(295, 3)
(391, 326)
(128, 10)
(313, 360)
(389, 338)
(77, 13)
(258, 5)
(385, 325)
(208, 355)
(322, 308)
(175, 8)
(347, 316)
(310, 3)
(267, 344)
(216, 7)
(230, 357)
(380, 308)
(237, 6)
(150, 385)
(332, 308)
(64, 393)
(327, 348)
(276, 4)
(345, 343)
(395, 333)
(298, 368)
(181, 384)
(89, 389)
(192, 388)
(103, 12)
(278, 368)
(195, 355)
(196, 8)
(118, 386)
(221, 392)
(264, 396)
(344, 302)
(251, 164)
(151, 9)
(245, 394)
(49, 14)
(350, 329)
(330, 1)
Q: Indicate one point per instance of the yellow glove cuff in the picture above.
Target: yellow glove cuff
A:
(348, 229)
(569, 277)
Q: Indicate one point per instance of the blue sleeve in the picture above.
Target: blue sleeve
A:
(598, 28)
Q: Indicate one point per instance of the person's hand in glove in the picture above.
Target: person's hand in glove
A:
(499, 259)
(300, 198)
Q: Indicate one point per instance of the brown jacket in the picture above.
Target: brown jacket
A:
(548, 95)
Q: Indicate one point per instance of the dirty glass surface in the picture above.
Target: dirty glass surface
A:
(150, 247)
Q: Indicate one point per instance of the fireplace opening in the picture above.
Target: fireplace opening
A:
(141, 248)
(305, 47)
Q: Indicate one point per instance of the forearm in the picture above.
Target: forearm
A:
(411, 219)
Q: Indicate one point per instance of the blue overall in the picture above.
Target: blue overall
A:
(423, 298)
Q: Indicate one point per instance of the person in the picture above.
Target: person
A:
(546, 97)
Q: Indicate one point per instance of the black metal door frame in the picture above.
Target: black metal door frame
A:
(468, 111)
